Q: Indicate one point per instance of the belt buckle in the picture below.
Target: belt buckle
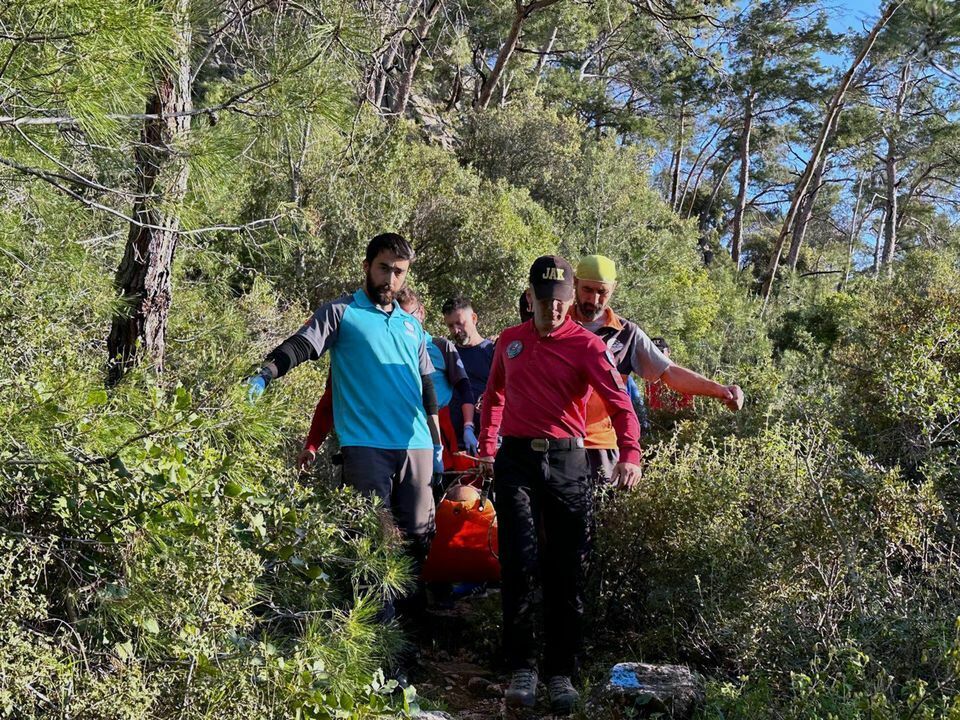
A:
(540, 444)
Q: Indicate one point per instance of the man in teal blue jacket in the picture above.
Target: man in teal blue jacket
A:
(384, 403)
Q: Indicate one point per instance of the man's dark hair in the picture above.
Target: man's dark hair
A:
(406, 295)
(396, 244)
(524, 308)
(456, 303)
(661, 343)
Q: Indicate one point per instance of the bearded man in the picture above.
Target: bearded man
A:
(595, 279)
(384, 401)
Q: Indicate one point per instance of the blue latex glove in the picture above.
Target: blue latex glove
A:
(255, 387)
(437, 459)
(470, 440)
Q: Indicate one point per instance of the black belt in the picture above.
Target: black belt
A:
(545, 444)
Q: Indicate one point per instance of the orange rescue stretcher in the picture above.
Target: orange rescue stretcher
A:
(465, 547)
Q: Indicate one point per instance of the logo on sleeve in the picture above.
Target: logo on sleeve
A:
(514, 349)
(410, 327)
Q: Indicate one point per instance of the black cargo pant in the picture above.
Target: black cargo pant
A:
(544, 514)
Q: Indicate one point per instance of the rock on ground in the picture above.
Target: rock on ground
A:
(647, 689)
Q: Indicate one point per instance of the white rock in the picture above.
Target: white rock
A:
(672, 689)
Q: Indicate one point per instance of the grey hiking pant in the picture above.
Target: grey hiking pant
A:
(401, 478)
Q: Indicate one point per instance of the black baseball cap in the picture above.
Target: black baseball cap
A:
(551, 277)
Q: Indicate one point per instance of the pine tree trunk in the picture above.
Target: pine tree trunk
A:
(405, 85)
(714, 194)
(832, 116)
(542, 60)
(890, 205)
(699, 170)
(507, 49)
(143, 279)
(890, 167)
(736, 243)
(855, 224)
(878, 245)
(378, 86)
(805, 212)
(677, 159)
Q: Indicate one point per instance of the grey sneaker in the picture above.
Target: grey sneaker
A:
(523, 689)
(563, 696)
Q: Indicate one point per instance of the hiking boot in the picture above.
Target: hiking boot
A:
(563, 696)
(523, 689)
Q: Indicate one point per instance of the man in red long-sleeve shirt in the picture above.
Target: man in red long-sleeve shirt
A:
(543, 371)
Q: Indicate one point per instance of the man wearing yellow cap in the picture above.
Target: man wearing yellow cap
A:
(633, 352)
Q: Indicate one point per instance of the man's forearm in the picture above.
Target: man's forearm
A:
(468, 410)
(688, 382)
(490, 418)
(293, 351)
(433, 422)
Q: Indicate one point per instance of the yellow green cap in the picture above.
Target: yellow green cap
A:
(597, 268)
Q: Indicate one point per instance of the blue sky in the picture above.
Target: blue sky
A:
(846, 14)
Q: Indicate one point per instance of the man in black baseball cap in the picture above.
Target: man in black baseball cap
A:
(536, 398)
(551, 277)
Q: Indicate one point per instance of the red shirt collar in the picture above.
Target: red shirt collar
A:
(566, 327)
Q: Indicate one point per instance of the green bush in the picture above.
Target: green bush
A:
(752, 554)
(158, 557)
(841, 683)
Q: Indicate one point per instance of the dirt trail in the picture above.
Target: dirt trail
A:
(459, 663)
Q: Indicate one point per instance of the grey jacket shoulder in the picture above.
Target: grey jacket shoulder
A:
(644, 358)
(323, 327)
(445, 344)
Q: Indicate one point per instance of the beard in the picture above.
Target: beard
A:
(589, 311)
(381, 294)
(460, 337)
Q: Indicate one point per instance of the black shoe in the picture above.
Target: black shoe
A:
(563, 696)
(523, 689)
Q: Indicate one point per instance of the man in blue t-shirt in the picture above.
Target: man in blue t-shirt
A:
(476, 353)
(384, 403)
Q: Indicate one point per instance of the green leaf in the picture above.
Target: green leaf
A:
(124, 650)
(97, 397)
(313, 572)
(285, 552)
(233, 489)
(182, 399)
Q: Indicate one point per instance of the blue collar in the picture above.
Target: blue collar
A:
(360, 298)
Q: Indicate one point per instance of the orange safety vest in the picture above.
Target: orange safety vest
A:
(600, 432)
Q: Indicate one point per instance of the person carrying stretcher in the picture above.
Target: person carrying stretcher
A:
(633, 352)
(543, 371)
(385, 405)
(448, 376)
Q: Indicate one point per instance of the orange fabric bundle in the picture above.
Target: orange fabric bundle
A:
(465, 546)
